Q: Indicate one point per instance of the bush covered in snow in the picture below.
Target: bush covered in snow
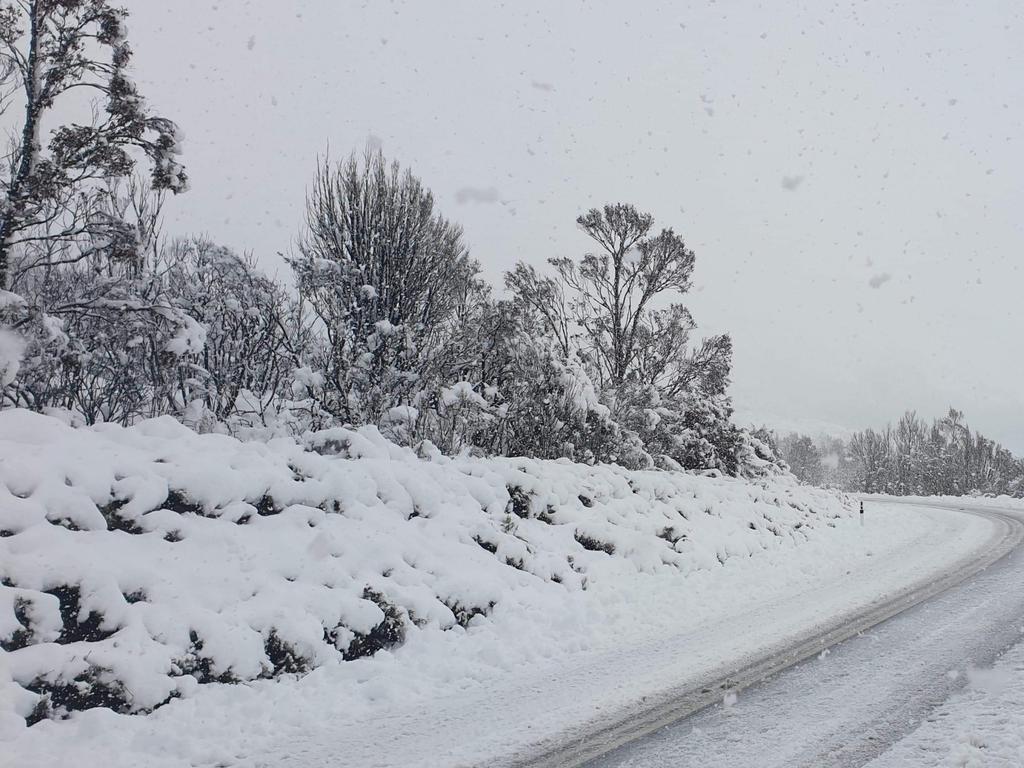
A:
(389, 324)
(140, 562)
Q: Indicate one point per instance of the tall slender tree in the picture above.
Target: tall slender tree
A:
(612, 303)
(51, 50)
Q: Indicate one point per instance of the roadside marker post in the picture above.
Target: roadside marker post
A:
(862, 514)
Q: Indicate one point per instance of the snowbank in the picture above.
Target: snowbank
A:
(956, 502)
(138, 564)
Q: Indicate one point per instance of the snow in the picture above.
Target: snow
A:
(848, 706)
(189, 337)
(305, 381)
(9, 299)
(877, 281)
(386, 328)
(1009, 503)
(480, 583)
(980, 727)
(576, 381)
(462, 393)
(12, 347)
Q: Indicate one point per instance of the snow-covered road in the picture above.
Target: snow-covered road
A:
(554, 715)
(847, 707)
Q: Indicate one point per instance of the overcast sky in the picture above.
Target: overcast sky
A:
(851, 176)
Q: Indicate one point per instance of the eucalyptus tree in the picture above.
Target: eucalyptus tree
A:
(60, 59)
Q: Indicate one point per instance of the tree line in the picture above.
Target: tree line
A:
(912, 457)
(388, 321)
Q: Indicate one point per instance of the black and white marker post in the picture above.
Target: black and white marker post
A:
(862, 514)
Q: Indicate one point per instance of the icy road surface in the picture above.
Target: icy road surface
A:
(851, 704)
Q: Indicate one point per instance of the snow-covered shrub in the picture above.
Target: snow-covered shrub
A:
(757, 456)
(455, 418)
(105, 349)
(137, 563)
(382, 273)
(252, 340)
(665, 399)
(102, 337)
(693, 432)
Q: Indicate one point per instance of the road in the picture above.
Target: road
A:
(846, 706)
(580, 705)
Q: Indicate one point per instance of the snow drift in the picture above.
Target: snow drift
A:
(139, 563)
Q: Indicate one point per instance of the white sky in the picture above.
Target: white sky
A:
(851, 176)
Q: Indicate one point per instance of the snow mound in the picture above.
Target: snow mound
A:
(139, 563)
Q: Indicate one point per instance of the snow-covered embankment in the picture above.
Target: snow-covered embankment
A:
(346, 582)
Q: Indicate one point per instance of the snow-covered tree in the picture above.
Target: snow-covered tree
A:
(612, 312)
(873, 452)
(945, 458)
(78, 253)
(102, 336)
(909, 442)
(52, 52)
(383, 273)
(802, 457)
(610, 296)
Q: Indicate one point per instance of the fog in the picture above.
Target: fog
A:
(850, 177)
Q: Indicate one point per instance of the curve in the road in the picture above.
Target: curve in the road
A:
(683, 721)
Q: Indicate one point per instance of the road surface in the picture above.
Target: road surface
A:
(846, 706)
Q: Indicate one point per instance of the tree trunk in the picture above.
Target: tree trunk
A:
(14, 206)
